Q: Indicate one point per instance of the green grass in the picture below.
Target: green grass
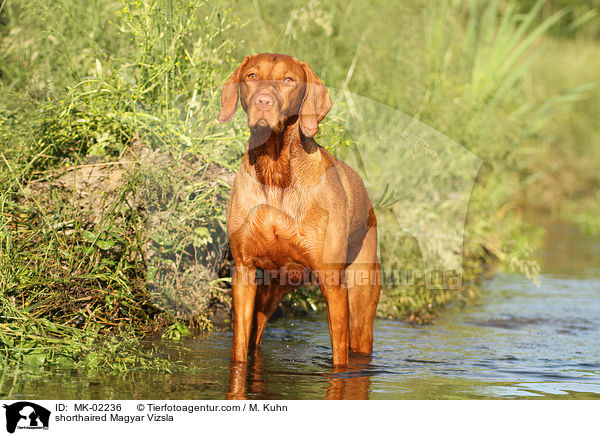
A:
(114, 174)
(564, 177)
(79, 188)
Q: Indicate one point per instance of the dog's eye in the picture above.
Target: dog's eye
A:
(288, 80)
(251, 76)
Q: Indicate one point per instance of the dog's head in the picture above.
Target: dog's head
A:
(276, 90)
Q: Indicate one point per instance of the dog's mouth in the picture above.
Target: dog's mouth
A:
(264, 117)
(262, 125)
(260, 131)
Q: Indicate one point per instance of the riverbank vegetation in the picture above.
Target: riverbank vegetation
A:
(114, 175)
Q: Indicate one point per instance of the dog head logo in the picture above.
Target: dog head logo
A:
(26, 415)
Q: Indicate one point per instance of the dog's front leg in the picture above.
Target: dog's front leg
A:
(244, 294)
(336, 297)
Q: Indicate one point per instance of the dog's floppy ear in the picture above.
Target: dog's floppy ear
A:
(315, 105)
(230, 94)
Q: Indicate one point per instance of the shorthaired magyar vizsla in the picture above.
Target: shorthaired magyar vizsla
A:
(296, 210)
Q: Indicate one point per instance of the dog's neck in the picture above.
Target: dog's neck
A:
(271, 159)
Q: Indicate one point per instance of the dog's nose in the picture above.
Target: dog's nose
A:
(263, 102)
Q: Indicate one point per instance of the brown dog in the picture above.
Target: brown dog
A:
(296, 210)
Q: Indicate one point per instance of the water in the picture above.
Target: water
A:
(520, 341)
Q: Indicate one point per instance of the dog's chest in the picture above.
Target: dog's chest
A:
(279, 228)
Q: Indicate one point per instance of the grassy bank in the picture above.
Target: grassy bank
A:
(565, 173)
(114, 174)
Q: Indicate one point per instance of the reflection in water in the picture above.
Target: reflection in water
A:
(237, 381)
(521, 341)
(351, 383)
(247, 378)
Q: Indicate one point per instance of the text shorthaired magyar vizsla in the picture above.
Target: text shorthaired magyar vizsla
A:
(295, 210)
